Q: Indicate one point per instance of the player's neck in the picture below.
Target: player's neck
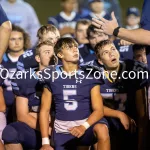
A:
(41, 67)
(113, 73)
(68, 13)
(16, 54)
(70, 67)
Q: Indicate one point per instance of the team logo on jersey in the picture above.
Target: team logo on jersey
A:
(78, 81)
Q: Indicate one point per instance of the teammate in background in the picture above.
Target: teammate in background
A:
(5, 31)
(81, 31)
(46, 32)
(66, 20)
(139, 53)
(81, 37)
(94, 37)
(97, 8)
(75, 124)
(19, 42)
(118, 95)
(132, 18)
(142, 98)
(125, 50)
(28, 92)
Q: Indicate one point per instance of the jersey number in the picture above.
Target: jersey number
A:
(70, 104)
(122, 98)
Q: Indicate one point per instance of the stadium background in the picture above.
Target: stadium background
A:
(46, 8)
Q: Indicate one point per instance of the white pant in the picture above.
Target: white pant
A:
(2, 123)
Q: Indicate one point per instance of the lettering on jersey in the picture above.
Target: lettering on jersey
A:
(138, 66)
(70, 86)
(124, 48)
(7, 82)
(112, 90)
(120, 98)
(28, 54)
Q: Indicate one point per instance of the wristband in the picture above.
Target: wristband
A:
(45, 141)
(116, 31)
(86, 125)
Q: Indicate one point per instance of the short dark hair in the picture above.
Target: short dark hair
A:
(82, 21)
(136, 47)
(90, 29)
(26, 37)
(100, 45)
(64, 43)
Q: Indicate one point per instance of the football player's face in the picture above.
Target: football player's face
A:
(16, 41)
(51, 36)
(133, 20)
(46, 52)
(81, 34)
(109, 57)
(96, 38)
(140, 55)
(70, 54)
(97, 7)
(69, 5)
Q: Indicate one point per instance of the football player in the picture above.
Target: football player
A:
(78, 103)
(81, 37)
(25, 133)
(142, 98)
(117, 92)
(94, 37)
(46, 32)
(19, 42)
(66, 20)
(81, 31)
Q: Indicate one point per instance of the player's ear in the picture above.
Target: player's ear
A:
(60, 55)
(37, 58)
(99, 60)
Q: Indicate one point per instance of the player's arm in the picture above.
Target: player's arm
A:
(5, 31)
(97, 106)
(44, 117)
(126, 121)
(23, 114)
(2, 101)
(131, 35)
(97, 114)
(108, 26)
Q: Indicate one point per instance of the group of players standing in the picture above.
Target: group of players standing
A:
(95, 112)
